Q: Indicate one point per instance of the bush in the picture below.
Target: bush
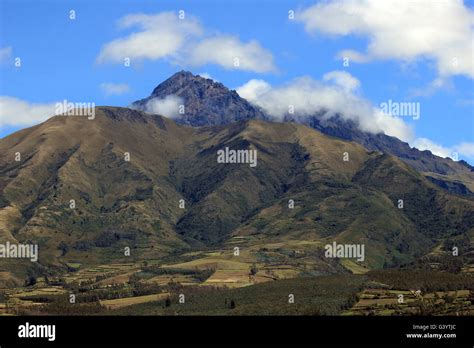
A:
(30, 280)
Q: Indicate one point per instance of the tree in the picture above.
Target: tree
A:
(253, 269)
(63, 247)
(30, 281)
(4, 297)
(134, 280)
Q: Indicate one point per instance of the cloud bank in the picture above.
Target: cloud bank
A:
(158, 36)
(463, 149)
(336, 94)
(441, 31)
(17, 112)
(184, 42)
(230, 53)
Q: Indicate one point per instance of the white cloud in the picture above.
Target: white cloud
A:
(114, 88)
(5, 54)
(159, 36)
(342, 79)
(207, 76)
(353, 56)
(441, 31)
(335, 95)
(230, 53)
(463, 149)
(426, 144)
(17, 112)
(167, 106)
(183, 42)
(253, 89)
(428, 90)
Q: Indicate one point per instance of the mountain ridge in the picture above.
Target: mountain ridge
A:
(456, 177)
(136, 203)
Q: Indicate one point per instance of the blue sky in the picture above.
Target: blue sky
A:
(60, 58)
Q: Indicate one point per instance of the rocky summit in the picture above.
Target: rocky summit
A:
(205, 101)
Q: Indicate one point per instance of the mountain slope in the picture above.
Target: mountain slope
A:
(342, 192)
(457, 177)
(361, 206)
(209, 103)
(118, 203)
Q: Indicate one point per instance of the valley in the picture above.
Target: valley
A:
(210, 281)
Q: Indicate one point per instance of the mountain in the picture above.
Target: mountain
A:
(206, 102)
(456, 177)
(127, 172)
(210, 103)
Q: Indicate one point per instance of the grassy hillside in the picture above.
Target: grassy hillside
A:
(127, 171)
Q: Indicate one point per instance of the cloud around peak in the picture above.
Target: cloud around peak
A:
(168, 106)
(336, 94)
(464, 149)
